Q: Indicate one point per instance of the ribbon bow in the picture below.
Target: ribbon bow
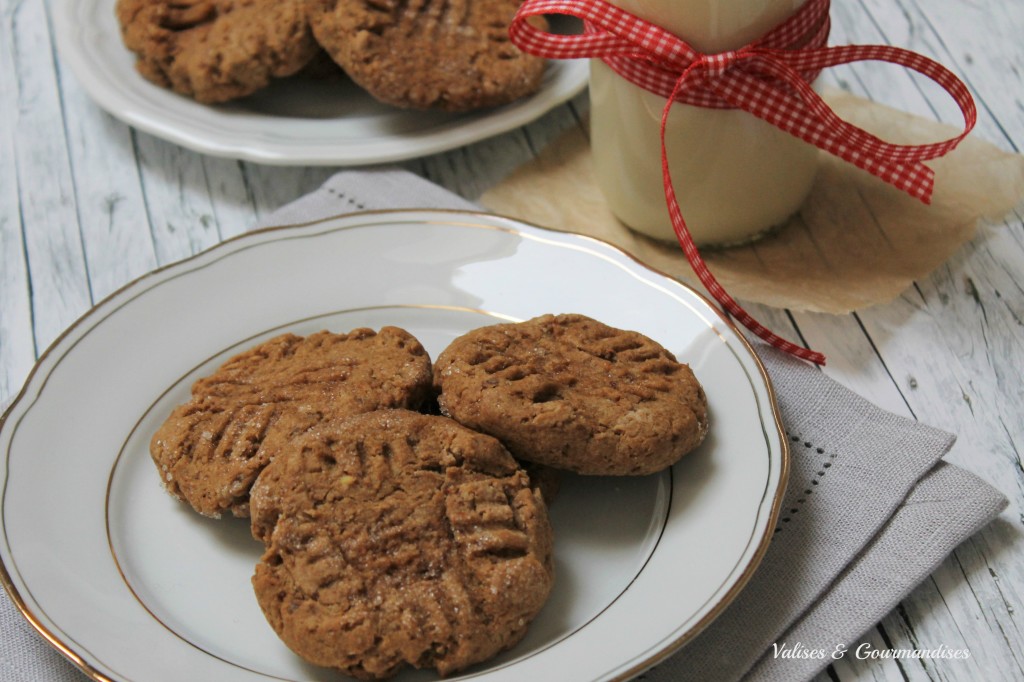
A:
(769, 78)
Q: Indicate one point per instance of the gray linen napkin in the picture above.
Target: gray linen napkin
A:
(870, 511)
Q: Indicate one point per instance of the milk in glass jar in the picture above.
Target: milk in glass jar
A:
(735, 176)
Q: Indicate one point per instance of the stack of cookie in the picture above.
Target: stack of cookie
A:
(398, 536)
(451, 55)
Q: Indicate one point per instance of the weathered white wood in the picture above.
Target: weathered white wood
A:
(60, 285)
(271, 187)
(981, 42)
(975, 579)
(231, 201)
(967, 607)
(852, 359)
(958, 606)
(471, 170)
(17, 351)
(181, 214)
(987, 425)
(108, 193)
(883, 82)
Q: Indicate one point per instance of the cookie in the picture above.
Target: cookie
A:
(216, 50)
(211, 448)
(573, 393)
(399, 539)
(428, 54)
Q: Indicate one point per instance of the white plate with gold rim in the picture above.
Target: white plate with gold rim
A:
(131, 585)
(299, 121)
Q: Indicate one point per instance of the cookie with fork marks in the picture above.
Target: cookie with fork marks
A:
(216, 50)
(397, 539)
(573, 393)
(451, 55)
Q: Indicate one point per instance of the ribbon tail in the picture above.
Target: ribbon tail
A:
(700, 267)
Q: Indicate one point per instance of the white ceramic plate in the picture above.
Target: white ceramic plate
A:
(132, 585)
(297, 122)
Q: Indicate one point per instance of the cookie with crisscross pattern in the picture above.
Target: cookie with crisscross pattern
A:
(211, 448)
(453, 55)
(216, 50)
(399, 539)
(574, 393)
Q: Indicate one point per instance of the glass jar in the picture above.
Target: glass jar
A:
(735, 176)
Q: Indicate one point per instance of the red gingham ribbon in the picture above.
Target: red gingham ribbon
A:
(769, 78)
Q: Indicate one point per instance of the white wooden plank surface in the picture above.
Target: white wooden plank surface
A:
(87, 204)
(108, 194)
(17, 347)
(950, 343)
(59, 280)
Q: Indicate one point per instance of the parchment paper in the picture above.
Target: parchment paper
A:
(855, 243)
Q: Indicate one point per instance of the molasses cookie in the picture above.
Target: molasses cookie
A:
(216, 50)
(573, 393)
(395, 538)
(428, 54)
(211, 448)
